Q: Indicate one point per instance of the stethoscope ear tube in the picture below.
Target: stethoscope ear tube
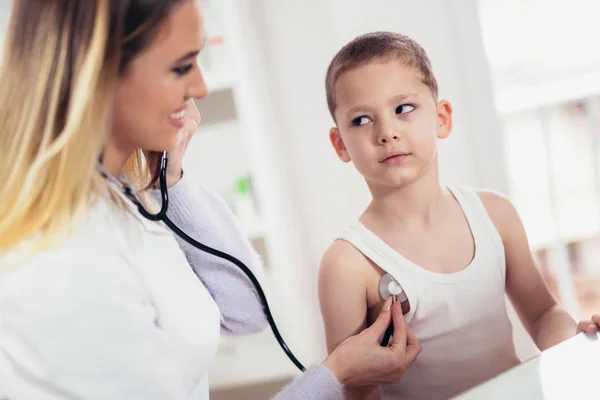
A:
(164, 193)
(162, 216)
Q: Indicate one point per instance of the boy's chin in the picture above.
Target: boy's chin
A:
(391, 183)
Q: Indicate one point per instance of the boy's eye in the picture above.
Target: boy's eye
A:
(404, 109)
(182, 70)
(360, 121)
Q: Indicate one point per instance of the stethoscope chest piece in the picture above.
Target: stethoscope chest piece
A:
(388, 286)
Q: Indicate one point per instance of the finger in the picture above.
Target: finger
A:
(193, 112)
(400, 327)
(377, 328)
(582, 326)
(192, 122)
(587, 327)
(596, 319)
(410, 336)
(412, 352)
(591, 328)
(189, 131)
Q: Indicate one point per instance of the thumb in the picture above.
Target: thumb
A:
(400, 338)
(377, 328)
(410, 336)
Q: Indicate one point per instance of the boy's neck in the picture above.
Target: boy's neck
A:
(416, 202)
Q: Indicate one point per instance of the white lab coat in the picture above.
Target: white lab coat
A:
(114, 313)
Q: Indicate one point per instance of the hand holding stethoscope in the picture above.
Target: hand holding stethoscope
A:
(174, 167)
(361, 361)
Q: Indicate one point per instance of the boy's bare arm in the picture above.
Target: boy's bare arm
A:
(546, 321)
(343, 300)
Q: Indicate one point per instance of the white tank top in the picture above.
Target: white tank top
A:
(459, 318)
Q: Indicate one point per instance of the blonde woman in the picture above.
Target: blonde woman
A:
(97, 302)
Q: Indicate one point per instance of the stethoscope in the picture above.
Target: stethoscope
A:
(387, 287)
(161, 215)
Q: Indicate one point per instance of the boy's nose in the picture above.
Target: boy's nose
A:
(388, 130)
(388, 136)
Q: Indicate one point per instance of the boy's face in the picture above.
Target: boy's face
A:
(388, 123)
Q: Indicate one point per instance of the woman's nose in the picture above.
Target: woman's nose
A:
(197, 88)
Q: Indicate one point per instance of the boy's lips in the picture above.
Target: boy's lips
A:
(394, 157)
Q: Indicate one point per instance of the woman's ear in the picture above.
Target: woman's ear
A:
(338, 145)
(444, 118)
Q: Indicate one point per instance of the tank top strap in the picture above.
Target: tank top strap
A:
(372, 247)
(481, 224)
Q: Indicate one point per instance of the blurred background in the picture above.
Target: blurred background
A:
(524, 79)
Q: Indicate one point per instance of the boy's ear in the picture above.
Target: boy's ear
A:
(444, 118)
(338, 145)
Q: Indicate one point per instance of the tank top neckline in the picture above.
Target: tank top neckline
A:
(397, 260)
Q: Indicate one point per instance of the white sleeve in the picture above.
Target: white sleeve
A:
(81, 327)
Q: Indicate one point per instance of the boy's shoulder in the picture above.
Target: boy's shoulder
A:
(493, 200)
(345, 279)
(341, 251)
(491, 197)
(500, 209)
(342, 258)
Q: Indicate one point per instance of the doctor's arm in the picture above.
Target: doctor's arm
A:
(359, 361)
(205, 217)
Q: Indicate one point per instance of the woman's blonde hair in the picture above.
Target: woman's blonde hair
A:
(62, 59)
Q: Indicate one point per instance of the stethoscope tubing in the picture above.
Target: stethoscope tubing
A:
(162, 216)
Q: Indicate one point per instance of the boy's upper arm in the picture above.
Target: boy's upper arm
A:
(524, 283)
(342, 292)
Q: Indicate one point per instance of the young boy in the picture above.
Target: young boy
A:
(455, 251)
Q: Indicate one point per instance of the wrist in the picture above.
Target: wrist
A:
(337, 368)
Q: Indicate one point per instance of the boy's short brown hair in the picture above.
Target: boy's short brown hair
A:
(378, 46)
